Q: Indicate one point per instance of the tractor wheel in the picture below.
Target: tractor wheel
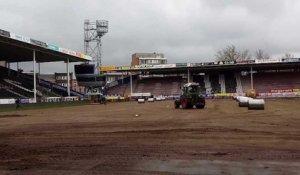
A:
(199, 106)
(176, 104)
(184, 104)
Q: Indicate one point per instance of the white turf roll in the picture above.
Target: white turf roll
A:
(256, 104)
(141, 100)
(237, 98)
(150, 99)
(158, 99)
(243, 101)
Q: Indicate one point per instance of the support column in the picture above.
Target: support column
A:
(251, 75)
(130, 84)
(188, 75)
(122, 78)
(8, 66)
(34, 77)
(39, 68)
(68, 78)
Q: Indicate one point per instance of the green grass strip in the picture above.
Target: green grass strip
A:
(12, 107)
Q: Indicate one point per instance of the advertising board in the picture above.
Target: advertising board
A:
(279, 95)
(88, 58)
(290, 60)
(296, 90)
(125, 67)
(27, 100)
(107, 68)
(226, 62)
(63, 50)
(280, 90)
(143, 66)
(245, 62)
(274, 60)
(146, 94)
(53, 47)
(20, 37)
(165, 66)
(70, 52)
(4, 33)
(196, 64)
(7, 101)
(181, 64)
(93, 91)
(38, 43)
(208, 63)
(223, 95)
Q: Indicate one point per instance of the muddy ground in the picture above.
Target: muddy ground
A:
(152, 138)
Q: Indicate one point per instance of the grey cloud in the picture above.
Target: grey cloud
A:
(186, 31)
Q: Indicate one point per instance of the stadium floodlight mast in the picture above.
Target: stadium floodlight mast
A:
(93, 32)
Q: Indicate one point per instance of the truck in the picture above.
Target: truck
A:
(190, 97)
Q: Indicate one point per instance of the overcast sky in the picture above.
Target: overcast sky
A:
(184, 30)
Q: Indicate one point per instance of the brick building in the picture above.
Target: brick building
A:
(61, 79)
(148, 59)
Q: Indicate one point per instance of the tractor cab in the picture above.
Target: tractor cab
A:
(190, 97)
(191, 89)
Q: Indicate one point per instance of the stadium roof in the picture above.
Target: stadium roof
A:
(211, 67)
(224, 68)
(17, 48)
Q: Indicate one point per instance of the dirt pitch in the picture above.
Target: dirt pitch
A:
(152, 138)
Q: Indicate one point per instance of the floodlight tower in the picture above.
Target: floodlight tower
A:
(93, 32)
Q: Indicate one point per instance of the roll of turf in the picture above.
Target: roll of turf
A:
(256, 104)
(243, 101)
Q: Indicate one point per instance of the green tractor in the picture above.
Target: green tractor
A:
(190, 97)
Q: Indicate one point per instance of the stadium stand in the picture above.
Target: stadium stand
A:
(230, 83)
(118, 90)
(159, 85)
(207, 84)
(215, 85)
(5, 93)
(239, 87)
(15, 84)
(264, 82)
(200, 79)
(246, 82)
(22, 85)
(222, 83)
(155, 85)
(17, 88)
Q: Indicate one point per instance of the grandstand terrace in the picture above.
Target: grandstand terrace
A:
(17, 48)
(280, 75)
(269, 76)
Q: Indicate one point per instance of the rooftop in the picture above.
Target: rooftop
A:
(18, 48)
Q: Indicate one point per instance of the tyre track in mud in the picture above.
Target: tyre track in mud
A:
(79, 140)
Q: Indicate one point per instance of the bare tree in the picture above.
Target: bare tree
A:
(288, 55)
(245, 55)
(228, 54)
(260, 54)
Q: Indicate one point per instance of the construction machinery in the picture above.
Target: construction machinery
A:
(190, 97)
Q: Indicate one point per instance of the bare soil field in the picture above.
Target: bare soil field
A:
(152, 138)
